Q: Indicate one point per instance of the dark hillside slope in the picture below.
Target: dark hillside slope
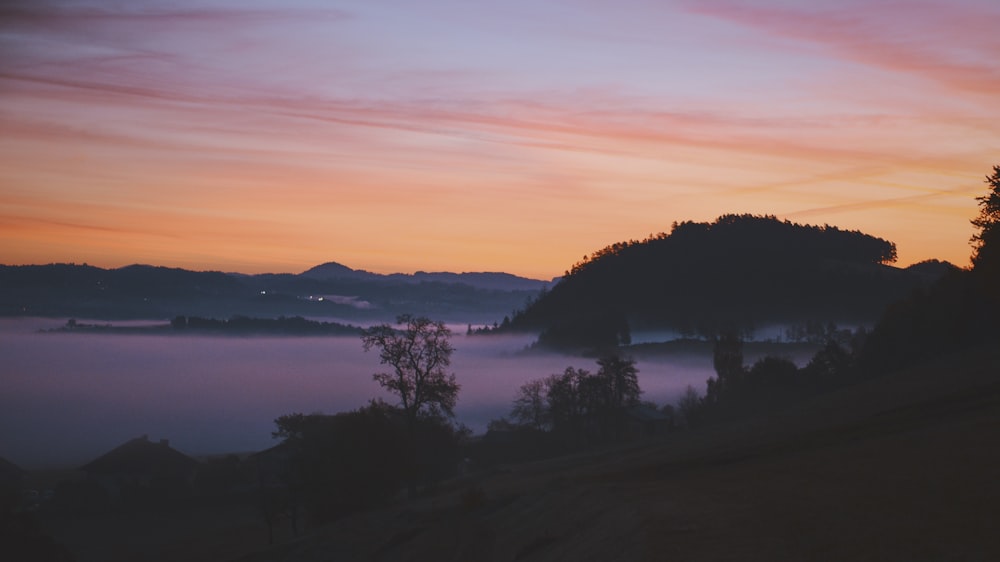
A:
(736, 273)
(902, 467)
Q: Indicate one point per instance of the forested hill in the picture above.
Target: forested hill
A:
(738, 272)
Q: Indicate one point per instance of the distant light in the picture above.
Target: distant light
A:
(263, 292)
(320, 299)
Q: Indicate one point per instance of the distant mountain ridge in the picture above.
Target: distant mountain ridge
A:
(483, 280)
(327, 290)
(333, 270)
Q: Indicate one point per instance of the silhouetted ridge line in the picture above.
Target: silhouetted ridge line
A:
(327, 291)
(490, 280)
(737, 273)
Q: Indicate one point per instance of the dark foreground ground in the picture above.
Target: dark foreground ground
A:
(905, 467)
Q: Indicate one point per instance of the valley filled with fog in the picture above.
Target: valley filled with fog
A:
(69, 397)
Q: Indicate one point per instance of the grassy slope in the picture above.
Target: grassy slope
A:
(905, 467)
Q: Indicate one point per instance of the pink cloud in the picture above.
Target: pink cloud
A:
(558, 121)
(953, 44)
(552, 124)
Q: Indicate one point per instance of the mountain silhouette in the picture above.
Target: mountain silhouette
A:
(327, 290)
(497, 281)
(334, 270)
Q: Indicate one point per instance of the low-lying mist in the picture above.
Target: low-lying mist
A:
(69, 397)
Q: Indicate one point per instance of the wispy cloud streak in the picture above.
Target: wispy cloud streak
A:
(955, 48)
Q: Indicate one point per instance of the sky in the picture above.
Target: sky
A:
(396, 136)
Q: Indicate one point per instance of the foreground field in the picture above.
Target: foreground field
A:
(905, 467)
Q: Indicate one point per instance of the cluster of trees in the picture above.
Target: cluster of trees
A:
(591, 332)
(578, 404)
(818, 332)
(296, 325)
(710, 278)
(771, 381)
(756, 232)
(739, 389)
(575, 408)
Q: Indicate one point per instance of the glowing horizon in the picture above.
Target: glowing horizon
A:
(395, 137)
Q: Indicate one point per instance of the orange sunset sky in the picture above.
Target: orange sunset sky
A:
(394, 136)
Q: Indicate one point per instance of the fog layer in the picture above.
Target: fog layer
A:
(69, 397)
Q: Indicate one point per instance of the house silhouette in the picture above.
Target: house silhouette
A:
(141, 465)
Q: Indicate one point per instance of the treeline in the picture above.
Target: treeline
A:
(577, 403)
(763, 236)
(579, 408)
(573, 409)
(236, 325)
(733, 274)
(294, 325)
(770, 383)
